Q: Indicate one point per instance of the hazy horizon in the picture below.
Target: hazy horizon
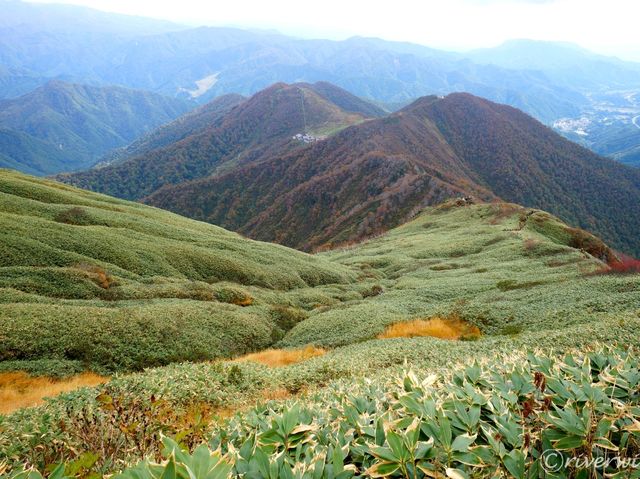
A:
(455, 25)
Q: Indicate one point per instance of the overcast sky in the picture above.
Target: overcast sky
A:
(604, 26)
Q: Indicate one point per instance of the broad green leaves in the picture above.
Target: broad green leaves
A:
(539, 418)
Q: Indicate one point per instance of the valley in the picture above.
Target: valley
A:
(609, 126)
(62, 126)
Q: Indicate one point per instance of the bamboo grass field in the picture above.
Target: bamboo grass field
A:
(189, 320)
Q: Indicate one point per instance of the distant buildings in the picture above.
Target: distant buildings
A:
(307, 138)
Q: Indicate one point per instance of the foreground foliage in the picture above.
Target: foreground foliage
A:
(525, 419)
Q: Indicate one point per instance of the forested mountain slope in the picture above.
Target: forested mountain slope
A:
(373, 176)
(261, 127)
(64, 126)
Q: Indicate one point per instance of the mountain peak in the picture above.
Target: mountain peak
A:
(274, 121)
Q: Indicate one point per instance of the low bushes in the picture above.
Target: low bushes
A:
(130, 337)
(74, 216)
(231, 295)
(40, 227)
(375, 290)
(284, 319)
(510, 284)
(621, 264)
(37, 437)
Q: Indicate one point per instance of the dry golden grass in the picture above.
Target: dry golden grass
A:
(452, 328)
(18, 389)
(283, 357)
(278, 394)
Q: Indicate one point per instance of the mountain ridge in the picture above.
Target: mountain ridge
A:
(261, 126)
(372, 175)
(451, 172)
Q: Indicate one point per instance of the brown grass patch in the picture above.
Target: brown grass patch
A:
(502, 211)
(278, 394)
(18, 389)
(452, 328)
(283, 357)
(97, 274)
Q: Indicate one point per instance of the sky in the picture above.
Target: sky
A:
(604, 26)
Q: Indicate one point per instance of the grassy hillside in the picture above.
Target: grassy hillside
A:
(65, 127)
(81, 271)
(479, 263)
(520, 276)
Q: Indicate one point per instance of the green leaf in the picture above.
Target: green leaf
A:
(568, 442)
(397, 445)
(383, 469)
(461, 443)
(337, 460)
(514, 462)
(58, 472)
(380, 435)
(385, 454)
(456, 474)
(604, 426)
(170, 469)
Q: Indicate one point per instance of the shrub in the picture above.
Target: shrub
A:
(444, 267)
(235, 296)
(589, 243)
(284, 319)
(530, 244)
(511, 284)
(375, 290)
(501, 211)
(132, 337)
(482, 420)
(621, 264)
(74, 216)
(511, 330)
(52, 368)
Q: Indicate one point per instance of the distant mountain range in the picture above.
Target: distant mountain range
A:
(560, 84)
(63, 126)
(264, 168)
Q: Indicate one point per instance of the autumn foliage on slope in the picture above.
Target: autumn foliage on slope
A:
(261, 127)
(246, 172)
(376, 175)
